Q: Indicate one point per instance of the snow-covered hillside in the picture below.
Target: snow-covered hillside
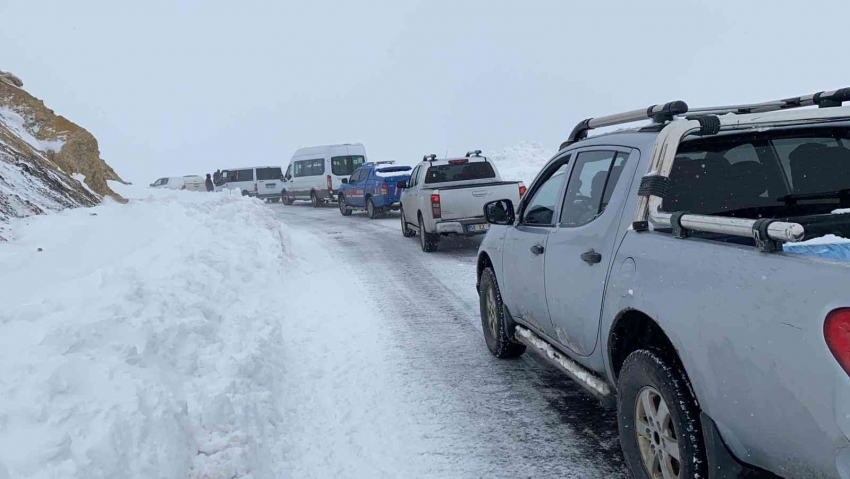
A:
(142, 340)
(47, 163)
(520, 162)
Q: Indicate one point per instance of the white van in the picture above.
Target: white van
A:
(263, 182)
(189, 183)
(315, 173)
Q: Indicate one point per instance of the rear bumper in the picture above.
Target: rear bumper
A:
(328, 195)
(459, 227)
(267, 195)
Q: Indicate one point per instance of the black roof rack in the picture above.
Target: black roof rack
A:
(430, 157)
(473, 153)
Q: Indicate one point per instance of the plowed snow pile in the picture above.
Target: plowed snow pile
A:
(142, 340)
(521, 162)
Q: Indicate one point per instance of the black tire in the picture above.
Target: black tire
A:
(374, 213)
(427, 241)
(405, 228)
(314, 200)
(646, 382)
(345, 210)
(285, 199)
(498, 329)
(244, 192)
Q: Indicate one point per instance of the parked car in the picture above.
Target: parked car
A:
(316, 173)
(263, 182)
(373, 187)
(652, 266)
(189, 183)
(447, 197)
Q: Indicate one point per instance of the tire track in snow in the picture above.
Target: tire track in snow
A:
(482, 417)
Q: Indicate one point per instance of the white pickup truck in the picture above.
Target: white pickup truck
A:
(447, 197)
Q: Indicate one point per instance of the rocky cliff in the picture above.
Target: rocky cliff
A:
(47, 162)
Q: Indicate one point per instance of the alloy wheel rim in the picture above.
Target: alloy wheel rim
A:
(657, 439)
(342, 204)
(492, 313)
(370, 208)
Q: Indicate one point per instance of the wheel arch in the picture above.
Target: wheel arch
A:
(483, 263)
(633, 330)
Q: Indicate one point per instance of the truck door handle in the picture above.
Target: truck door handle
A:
(537, 249)
(591, 257)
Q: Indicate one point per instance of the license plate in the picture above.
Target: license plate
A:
(270, 185)
(477, 228)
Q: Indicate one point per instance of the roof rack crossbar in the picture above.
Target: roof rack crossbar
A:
(473, 153)
(657, 113)
(823, 99)
(430, 157)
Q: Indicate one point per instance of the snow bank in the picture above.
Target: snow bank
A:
(143, 340)
(521, 162)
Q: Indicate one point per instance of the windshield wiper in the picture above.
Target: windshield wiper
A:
(823, 195)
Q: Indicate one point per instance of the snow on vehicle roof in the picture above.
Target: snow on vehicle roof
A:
(389, 171)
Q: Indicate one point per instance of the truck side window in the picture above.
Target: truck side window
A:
(541, 207)
(413, 177)
(592, 182)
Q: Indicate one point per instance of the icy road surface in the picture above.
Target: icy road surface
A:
(387, 373)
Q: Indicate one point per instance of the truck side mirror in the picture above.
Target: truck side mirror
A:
(345, 181)
(401, 184)
(500, 212)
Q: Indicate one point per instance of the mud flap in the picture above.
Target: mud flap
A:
(721, 463)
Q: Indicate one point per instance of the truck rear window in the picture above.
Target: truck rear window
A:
(478, 170)
(768, 174)
(345, 165)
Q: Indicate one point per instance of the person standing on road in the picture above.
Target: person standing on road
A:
(209, 183)
(216, 177)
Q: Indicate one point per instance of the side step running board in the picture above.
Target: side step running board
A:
(578, 373)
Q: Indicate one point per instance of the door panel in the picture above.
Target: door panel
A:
(525, 246)
(579, 250)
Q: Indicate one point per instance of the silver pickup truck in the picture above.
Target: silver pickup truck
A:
(695, 273)
(447, 197)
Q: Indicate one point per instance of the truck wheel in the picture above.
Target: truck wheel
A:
(428, 241)
(373, 212)
(285, 199)
(244, 193)
(498, 330)
(314, 200)
(658, 419)
(343, 208)
(405, 228)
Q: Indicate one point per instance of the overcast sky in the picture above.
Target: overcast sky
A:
(173, 87)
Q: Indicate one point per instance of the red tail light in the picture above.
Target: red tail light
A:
(385, 190)
(330, 183)
(458, 161)
(522, 190)
(435, 206)
(836, 330)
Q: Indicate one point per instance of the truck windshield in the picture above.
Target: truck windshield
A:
(767, 174)
(345, 165)
(478, 170)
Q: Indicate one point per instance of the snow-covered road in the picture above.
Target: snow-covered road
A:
(387, 374)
